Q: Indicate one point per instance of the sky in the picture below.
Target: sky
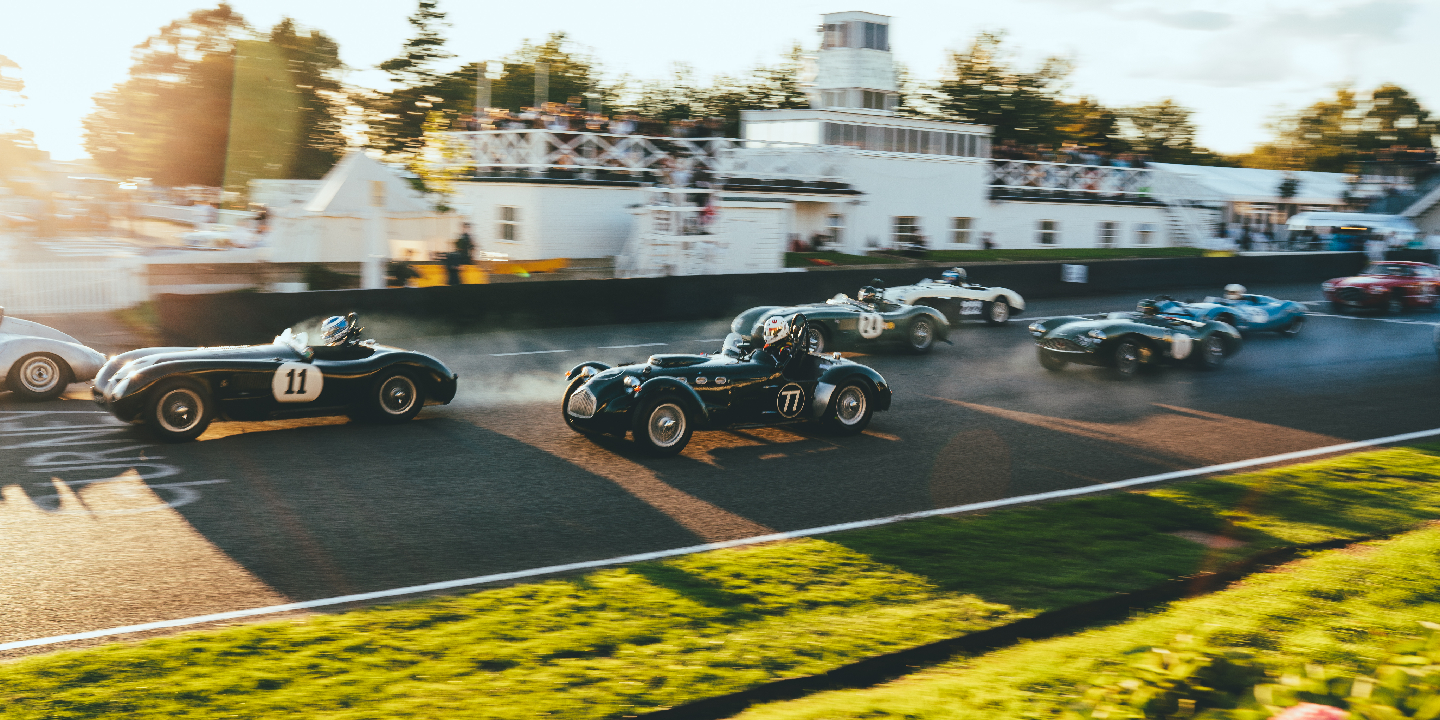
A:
(1237, 63)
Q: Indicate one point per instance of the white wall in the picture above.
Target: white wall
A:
(555, 221)
(307, 237)
(1016, 224)
(934, 188)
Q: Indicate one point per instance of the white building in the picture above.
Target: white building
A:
(848, 170)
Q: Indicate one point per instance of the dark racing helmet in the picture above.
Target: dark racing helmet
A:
(868, 294)
(338, 330)
(1148, 307)
(954, 276)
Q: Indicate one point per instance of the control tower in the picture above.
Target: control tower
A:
(854, 68)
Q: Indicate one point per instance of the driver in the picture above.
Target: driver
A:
(338, 331)
(954, 276)
(780, 340)
(1148, 308)
(1234, 292)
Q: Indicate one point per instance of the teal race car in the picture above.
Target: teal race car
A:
(865, 323)
(1127, 341)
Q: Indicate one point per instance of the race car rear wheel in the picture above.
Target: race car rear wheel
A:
(815, 339)
(1293, 327)
(178, 410)
(662, 426)
(997, 313)
(1212, 352)
(921, 335)
(1051, 361)
(1127, 359)
(38, 376)
(850, 409)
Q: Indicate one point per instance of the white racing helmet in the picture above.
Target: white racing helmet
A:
(1234, 291)
(775, 328)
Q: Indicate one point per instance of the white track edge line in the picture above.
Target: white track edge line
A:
(690, 550)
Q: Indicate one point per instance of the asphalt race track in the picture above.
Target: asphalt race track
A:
(101, 527)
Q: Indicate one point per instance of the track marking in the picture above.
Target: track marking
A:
(1375, 319)
(637, 345)
(529, 352)
(674, 552)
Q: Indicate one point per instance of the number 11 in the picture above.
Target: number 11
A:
(290, 386)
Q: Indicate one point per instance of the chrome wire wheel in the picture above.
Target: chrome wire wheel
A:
(850, 405)
(666, 425)
(179, 410)
(39, 374)
(999, 312)
(397, 395)
(1127, 358)
(922, 335)
(814, 340)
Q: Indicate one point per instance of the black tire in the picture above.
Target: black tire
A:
(1337, 307)
(852, 405)
(655, 423)
(1211, 353)
(1293, 327)
(816, 339)
(1228, 320)
(1127, 359)
(998, 312)
(1051, 361)
(1395, 304)
(39, 376)
(178, 410)
(394, 397)
(920, 336)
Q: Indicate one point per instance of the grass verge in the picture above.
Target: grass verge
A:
(621, 641)
(1332, 617)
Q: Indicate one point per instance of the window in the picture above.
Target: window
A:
(1144, 233)
(1108, 233)
(835, 228)
(907, 231)
(891, 139)
(960, 231)
(875, 36)
(509, 223)
(1049, 232)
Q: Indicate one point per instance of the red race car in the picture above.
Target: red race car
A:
(1393, 286)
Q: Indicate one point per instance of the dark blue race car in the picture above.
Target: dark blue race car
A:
(1243, 311)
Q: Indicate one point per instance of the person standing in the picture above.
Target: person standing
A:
(465, 245)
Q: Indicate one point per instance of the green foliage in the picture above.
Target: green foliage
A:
(314, 65)
(415, 63)
(1331, 134)
(982, 87)
(1165, 132)
(1177, 681)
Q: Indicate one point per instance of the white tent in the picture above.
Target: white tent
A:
(330, 226)
(1259, 185)
(1394, 228)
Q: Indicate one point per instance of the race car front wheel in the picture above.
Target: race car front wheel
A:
(1212, 352)
(178, 410)
(1293, 327)
(850, 409)
(1127, 359)
(662, 427)
(393, 398)
(39, 376)
(921, 336)
(998, 312)
(815, 338)
(1052, 361)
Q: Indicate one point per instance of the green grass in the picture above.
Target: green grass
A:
(802, 259)
(624, 640)
(1340, 610)
(1001, 254)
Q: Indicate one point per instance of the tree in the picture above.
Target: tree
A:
(170, 120)
(396, 119)
(1332, 134)
(571, 74)
(415, 65)
(1288, 188)
(981, 87)
(1165, 132)
(1089, 124)
(314, 61)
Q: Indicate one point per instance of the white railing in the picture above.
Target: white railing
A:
(541, 153)
(1189, 207)
(1036, 177)
(72, 287)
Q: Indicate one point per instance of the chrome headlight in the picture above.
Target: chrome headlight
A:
(588, 371)
(631, 382)
(1035, 327)
(1097, 333)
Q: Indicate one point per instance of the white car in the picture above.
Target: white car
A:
(38, 362)
(959, 299)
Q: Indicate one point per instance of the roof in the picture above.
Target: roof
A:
(1259, 185)
(1339, 219)
(346, 189)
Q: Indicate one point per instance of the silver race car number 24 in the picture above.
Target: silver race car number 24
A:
(296, 383)
(870, 325)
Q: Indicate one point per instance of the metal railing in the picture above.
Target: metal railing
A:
(72, 287)
(588, 155)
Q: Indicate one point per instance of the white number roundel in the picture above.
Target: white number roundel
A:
(1181, 345)
(297, 382)
(870, 325)
(1253, 314)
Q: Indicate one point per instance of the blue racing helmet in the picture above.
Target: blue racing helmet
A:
(337, 330)
(953, 276)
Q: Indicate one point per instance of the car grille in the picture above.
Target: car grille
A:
(1351, 294)
(1060, 345)
(582, 404)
